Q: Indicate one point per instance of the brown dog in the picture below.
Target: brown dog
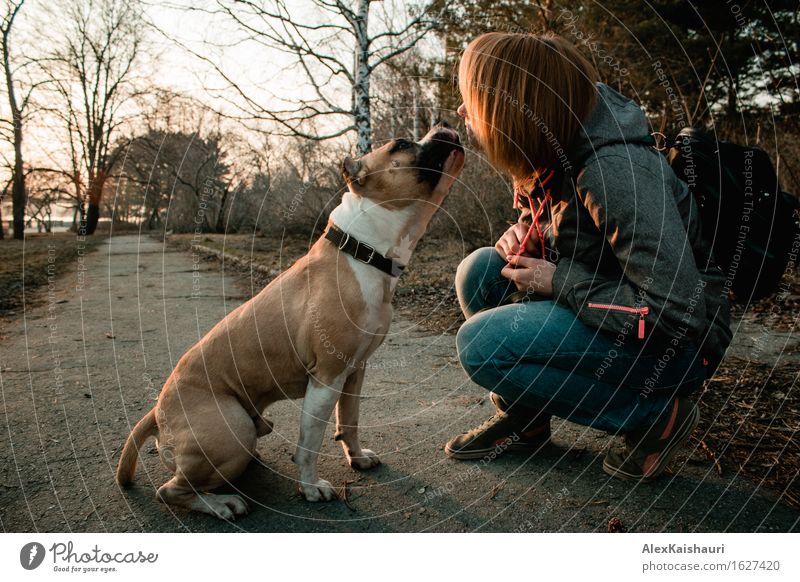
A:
(307, 334)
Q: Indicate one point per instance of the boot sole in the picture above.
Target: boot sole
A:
(666, 455)
(481, 453)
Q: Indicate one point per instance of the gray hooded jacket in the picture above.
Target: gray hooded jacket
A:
(625, 236)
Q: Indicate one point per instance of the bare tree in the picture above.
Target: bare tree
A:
(18, 195)
(406, 99)
(44, 193)
(92, 73)
(334, 76)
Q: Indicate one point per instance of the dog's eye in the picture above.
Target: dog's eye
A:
(400, 145)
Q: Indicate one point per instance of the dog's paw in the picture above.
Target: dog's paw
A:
(225, 507)
(367, 460)
(321, 490)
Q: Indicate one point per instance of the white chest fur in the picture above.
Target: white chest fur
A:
(385, 230)
(392, 233)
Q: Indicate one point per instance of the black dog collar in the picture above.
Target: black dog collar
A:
(362, 251)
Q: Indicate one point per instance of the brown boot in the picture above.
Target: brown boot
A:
(504, 432)
(647, 453)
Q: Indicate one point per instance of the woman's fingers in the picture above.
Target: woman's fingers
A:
(522, 261)
(511, 273)
(501, 246)
(532, 245)
(530, 274)
(507, 245)
(501, 249)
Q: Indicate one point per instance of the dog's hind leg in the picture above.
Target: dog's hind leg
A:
(347, 424)
(263, 424)
(318, 406)
(212, 443)
(178, 492)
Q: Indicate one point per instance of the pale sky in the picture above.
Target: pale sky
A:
(265, 74)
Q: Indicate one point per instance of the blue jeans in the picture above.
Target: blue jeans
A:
(539, 356)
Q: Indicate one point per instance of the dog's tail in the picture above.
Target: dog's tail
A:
(143, 430)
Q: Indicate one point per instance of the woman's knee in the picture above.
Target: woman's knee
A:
(475, 351)
(478, 269)
(474, 267)
(464, 349)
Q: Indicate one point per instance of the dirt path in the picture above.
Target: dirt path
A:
(76, 372)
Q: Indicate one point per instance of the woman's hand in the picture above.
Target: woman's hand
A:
(528, 274)
(509, 242)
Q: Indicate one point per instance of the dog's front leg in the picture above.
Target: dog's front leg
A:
(317, 409)
(347, 424)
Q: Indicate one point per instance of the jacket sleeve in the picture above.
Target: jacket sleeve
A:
(635, 209)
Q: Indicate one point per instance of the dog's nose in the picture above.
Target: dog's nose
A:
(441, 127)
(442, 132)
(447, 133)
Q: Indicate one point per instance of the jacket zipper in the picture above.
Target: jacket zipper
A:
(642, 311)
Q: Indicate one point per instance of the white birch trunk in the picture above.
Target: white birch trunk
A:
(361, 76)
(417, 128)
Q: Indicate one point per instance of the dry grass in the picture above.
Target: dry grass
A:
(751, 411)
(751, 424)
(23, 265)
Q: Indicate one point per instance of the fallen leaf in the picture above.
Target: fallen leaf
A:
(615, 525)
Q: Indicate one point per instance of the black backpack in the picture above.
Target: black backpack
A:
(750, 224)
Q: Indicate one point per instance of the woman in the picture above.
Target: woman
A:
(622, 312)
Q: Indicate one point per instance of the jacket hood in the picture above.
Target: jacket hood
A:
(614, 119)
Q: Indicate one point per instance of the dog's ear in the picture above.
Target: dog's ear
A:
(353, 170)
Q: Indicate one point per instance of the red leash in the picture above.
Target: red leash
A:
(535, 214)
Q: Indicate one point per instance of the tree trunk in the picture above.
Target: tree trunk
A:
(220, 227)
(18, 197)
(80, 213)
(417, 124)
(92, 218)
(731, 105)
(361, 85)
(153, 219)
(74, 227)
(96, 185)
